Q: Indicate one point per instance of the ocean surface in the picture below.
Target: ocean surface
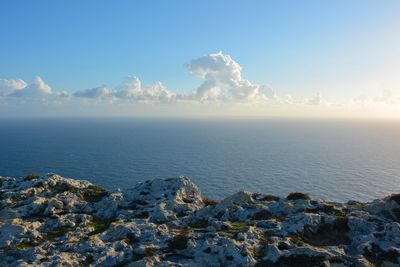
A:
(332, 159)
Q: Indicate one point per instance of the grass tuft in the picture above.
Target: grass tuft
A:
(237, 227)
(100, 224)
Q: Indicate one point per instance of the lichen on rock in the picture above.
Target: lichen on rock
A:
(56, 221)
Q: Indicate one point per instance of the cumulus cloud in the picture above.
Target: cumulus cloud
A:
(223, 80)
(131, 87)
(222, 86)
(9, 86)
(130, 90)
(159, 92)
(97, 92)
(36, 88)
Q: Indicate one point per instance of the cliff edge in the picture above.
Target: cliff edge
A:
(57, 221)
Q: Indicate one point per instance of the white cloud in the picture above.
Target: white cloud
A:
(9, 86)
(97, 92)
(62, 94)
(131, 87)
(159, 92)
(223, 87)
(316, 100)
(384, 98)
(36, 88)
(223, 80)
(130, 90)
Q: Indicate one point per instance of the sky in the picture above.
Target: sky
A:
(264, 58)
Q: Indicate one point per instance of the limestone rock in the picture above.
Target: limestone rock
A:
(58, 221)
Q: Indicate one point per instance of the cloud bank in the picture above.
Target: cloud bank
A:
(222, 84)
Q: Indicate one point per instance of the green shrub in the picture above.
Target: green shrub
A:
(28, 244)
(395, 197)
(262, 215)
(209, 201)
(100, 224)
(31, 176)
(58, 232)
(93, 193)
(237, 227)
(201, 223)
(298, 195)
(178, 242)
(269, 198)
(88, 261)
(333, 234)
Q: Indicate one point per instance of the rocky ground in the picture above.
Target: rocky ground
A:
(57, 221)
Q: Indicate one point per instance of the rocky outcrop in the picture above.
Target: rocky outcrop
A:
(57, 221)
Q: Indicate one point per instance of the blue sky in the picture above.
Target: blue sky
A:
(301, 48)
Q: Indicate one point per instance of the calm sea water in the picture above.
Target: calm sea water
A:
(338, 160)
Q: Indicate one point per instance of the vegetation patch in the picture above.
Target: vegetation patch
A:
(137, 256)
(141, 215)
(262, 215)
(293, 260)
(297, 240)
(11, 202)
(237, 227)
(88, 261)
(207, 250)
(395, 197)
(269, 198)
(208, 201)
(298, 195)
(93, 193)
(180, 240)
(301, 260)
(187, 200)
(31, 176)
(150, 251)
(63, 187)
(58, 232)
(396, 214)
(199, 224)
(377, 256)
(333, 234)
(100, 224)
(132, 239)
(328, 209)
(28, 244)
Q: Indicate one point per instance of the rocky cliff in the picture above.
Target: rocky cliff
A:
(57, 221)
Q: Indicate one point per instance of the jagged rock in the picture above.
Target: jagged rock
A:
(57, 221)
(297, 222)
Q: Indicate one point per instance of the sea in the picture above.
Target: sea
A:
(339, 160)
